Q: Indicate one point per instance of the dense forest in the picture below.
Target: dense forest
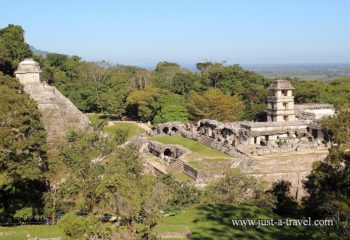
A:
(171, 93)
(37, 183)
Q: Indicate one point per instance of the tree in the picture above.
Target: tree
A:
(96, 71)
(213, 75)
(183, 83)
(91, 86)
(140, 79)
(308, 91)
(143, 104)
(73, 225)
(180, 194)
(22, 152)
(328, 184)
(166, 66)
(337, 128)
(285, 205)
(234, 188)
(112, 101)
(170, 110)
(164, 74)
(202, 66)
(338, 93)
(255, 112)
(13, 49)
(214, 104)
(92, 176)
(56, 61)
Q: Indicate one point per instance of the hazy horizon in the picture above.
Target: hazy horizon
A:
(143, 33)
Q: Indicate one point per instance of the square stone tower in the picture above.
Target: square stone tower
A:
(280, 102)
(28, 71)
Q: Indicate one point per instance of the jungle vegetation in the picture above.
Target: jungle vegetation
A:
(101, 188)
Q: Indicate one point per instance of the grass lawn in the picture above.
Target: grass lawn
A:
(199, 150)
(215, 222)
(21, 232)
(212, 160)
(132, 129)
(180, 176)
(196, 164)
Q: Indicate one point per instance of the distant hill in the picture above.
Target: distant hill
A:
(38, 52)
(302, 71)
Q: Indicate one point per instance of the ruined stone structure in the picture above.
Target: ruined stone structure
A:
(280, 102)
(59, 115)
(284, 147)
(171, 157)
(285, 130)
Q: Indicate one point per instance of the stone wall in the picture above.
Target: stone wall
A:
(293, 167)
(190, 171)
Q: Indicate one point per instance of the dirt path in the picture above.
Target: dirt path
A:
(140, 124)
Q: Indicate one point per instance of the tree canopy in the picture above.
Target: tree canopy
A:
(214, 104)
(22, 151)
(328, 184)
(13, 48)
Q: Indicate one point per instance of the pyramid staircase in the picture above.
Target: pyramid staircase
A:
(59, 115)
(176, 166)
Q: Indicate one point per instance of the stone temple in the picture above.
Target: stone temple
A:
(288, 126)
(59, 115)
(283, 147)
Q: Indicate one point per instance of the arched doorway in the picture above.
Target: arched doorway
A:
(166, 130)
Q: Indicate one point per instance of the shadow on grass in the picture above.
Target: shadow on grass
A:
(215, 222)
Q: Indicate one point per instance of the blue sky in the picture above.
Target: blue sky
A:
(187, 31)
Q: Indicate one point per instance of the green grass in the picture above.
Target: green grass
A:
(182, 177)
(200, 152)
(213, 160)
(198, 149)
(215, 222)
(132, 129)
(94, 116)
(21, 232)
(172, 228)
(196, 164)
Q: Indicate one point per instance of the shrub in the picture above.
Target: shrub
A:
(73, 226)
(24, 214)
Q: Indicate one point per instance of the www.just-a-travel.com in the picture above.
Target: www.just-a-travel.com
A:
(281, 222)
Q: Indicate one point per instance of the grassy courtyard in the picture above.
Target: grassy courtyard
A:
(131, 128)
(30, 231)
(200, 152)
(215, 222)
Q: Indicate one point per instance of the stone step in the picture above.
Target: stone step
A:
(59, 114)
(177, 166)
(246, 162)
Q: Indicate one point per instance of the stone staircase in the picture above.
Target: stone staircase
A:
(244, 163)
(59, 115)
(176, 166)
